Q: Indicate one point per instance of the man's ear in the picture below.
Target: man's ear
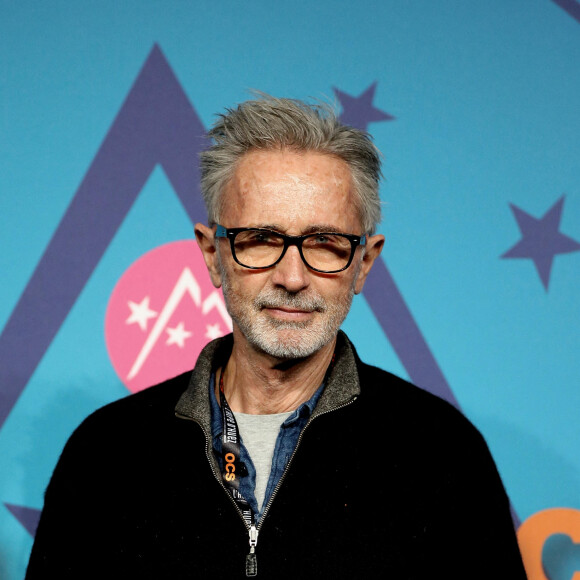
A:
(207, 243)
(373, 248)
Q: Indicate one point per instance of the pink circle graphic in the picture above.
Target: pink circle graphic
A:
(162, 312)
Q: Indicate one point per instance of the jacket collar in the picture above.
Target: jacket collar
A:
(343, 382)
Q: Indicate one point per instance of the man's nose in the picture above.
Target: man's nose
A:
(291, 272)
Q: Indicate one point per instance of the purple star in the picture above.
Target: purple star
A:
(359, 111)
(541, 239)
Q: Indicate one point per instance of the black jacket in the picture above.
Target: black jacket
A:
(387, 481)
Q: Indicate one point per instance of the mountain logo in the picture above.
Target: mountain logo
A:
(161, 313)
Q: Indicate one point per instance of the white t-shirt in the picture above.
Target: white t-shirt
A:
(259, 434)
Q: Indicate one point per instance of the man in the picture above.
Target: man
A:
(281, 454)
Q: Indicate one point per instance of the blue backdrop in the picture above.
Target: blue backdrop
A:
(475, 108)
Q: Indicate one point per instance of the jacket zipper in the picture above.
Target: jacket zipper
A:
(253, 531)
(251, 564)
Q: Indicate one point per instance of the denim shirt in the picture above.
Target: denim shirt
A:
(285, 445)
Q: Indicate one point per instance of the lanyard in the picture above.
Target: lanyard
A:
(230, 475)
(231, 470)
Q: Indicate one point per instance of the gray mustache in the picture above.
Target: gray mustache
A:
(299, 302)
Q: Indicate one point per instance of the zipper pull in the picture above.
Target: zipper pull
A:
(251, 561)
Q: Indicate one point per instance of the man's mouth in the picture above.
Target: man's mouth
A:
(287, 312)
(291, 308)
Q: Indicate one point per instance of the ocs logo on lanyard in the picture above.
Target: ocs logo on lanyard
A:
(230, 467)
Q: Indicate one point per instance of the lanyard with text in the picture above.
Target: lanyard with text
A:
(230, 475)
(231, 470)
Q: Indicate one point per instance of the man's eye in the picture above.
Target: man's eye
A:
(261, 236)
(322, 239)
(327, 242)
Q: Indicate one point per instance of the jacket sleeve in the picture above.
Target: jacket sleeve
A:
(72, 531)
(472, 530)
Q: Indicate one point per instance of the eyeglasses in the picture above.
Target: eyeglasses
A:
(259, 248)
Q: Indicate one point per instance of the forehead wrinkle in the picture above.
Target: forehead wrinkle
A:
(253, 162)
(269, 190)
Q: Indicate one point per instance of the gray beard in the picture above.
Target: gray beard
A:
(292, 340)
(286, 339)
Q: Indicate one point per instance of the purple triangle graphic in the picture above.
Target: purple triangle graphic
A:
(398, 324)
(156, 125)
(572, 7)
(28, 517)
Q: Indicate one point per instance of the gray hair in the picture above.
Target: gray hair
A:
(271, 123)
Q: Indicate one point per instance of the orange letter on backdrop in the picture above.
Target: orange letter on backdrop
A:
(534, 532)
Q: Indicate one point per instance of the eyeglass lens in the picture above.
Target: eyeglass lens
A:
(260, 249)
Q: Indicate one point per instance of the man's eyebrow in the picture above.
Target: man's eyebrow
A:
(322, 228)
(311, 229)
(265, 226)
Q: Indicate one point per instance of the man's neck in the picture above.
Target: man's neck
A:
(258, 384)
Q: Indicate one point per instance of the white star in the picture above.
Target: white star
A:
(178, 335)
(140, 313)
(213, 331)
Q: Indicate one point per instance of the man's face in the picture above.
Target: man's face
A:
(287, 311)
